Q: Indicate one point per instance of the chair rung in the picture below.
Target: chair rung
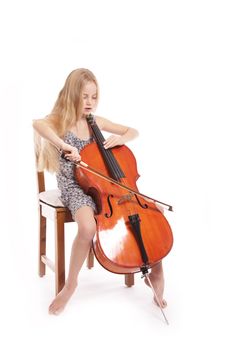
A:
(48, 262)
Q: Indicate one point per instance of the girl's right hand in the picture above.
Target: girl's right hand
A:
(71, 153)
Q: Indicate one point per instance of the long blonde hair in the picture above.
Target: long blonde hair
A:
(66, 111)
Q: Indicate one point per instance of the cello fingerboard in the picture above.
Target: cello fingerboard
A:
(109, 159)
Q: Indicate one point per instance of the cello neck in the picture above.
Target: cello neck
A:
(109, 159)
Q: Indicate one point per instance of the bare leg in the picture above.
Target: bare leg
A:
(79, 251)
(157, 277)
(157, 280)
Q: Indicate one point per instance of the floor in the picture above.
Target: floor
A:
(103, 313)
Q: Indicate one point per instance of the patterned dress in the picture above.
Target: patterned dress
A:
(72, 195)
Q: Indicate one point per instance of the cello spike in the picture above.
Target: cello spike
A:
(146, 275)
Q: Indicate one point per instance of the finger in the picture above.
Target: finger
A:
(109, 144)
(68, 158)
(75, 154)
(108, 140)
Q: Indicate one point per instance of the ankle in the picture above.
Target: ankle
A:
(71, 286)
(156, 272)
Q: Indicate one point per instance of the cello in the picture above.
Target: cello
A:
(132, 233)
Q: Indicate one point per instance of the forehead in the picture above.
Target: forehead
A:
(89, 88)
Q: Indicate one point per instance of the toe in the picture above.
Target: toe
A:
(163, 303)
(52, 309)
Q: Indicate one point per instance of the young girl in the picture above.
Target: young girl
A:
(66, 129)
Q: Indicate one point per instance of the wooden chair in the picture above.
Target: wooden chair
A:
(50, 207)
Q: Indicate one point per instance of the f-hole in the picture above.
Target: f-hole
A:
(144, 206)
(108, 215)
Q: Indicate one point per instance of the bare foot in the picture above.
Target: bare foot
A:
(157, 281)
(60, 301)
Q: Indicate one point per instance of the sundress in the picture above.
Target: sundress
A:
(72, 195)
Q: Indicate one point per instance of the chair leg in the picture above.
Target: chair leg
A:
(90, 259)
(129, 279)
(59, 252)
(42, 242)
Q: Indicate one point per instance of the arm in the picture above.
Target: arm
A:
(122, 133)
(44, 129)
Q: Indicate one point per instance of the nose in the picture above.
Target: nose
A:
(89, 101)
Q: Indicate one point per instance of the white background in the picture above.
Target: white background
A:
(165, 68)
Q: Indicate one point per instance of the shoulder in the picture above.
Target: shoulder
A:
(115, 128)
(107, 125)
(101, 122)
(51, 118)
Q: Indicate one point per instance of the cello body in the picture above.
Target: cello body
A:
(132, 233)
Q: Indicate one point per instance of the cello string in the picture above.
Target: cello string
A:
(112, 159)
(114, 166)
(83, 165)
(131, 206)
(121, 185)
(116, 170)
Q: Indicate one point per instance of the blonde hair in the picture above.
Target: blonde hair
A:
(66, 111)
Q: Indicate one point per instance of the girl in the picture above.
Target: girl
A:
(66, 129)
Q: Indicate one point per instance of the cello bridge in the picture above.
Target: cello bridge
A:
(125, 198)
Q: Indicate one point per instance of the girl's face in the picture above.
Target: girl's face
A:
(89, 98)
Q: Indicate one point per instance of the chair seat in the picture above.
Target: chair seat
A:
(51, 197)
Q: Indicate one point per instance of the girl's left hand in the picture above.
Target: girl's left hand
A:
(112, 141)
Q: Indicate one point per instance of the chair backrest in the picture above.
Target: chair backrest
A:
(40, 181)
(44, 179)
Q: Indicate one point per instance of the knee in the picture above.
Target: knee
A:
(86, 230)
